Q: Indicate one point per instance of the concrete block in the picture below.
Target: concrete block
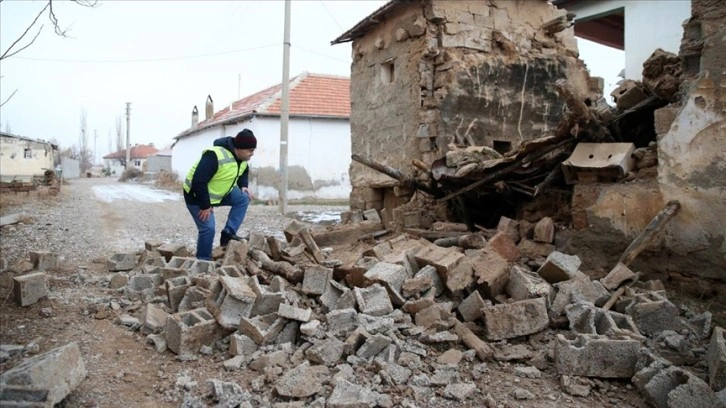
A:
(121, 262)
(544, 231)
(443, 259)
(187, 331)
(153, 319)
(491, 271)
(326, 352)
(430, 272)
(372, 346)
(241, 345)
(505, 246)
(177, 266)
(663, 118)
(28, 289)
(372, 215)
(194, 298)
(430, 316)
(294, 313)
(141, 287)
(200, 266)
(506, 321)
(414, 287)
(585, 318)
(460, 277)
(342, 320)
(509, 227)
(675, 387)
(375, 324)
(334, 295)
(43, 380)
(653, 313)
(118, 280)
(230, 300)
(232, 271)
(387, 274)
(235, 254)
(596, 356)
(350, 395)
(524, 284)
(470, 308)
(262, 329)
(628, 94)
(578, 289)
(315, 279)
(170, 250)
(373, 300)
(302, 381)
(559, 267)
(619, 274)
(268, 300)
(43, 260)
(716, 359)
(176, 288)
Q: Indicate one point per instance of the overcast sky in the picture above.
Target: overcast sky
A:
(165, 57)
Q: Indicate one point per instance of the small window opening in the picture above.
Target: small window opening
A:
(28, 154)
(387, 72)
(502, 146)
(137, 163)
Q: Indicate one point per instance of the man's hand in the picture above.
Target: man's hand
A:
(204, 214)
(249, 193)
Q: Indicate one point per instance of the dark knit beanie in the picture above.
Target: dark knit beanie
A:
(245, 140)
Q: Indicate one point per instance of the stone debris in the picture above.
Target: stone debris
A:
(43, 380)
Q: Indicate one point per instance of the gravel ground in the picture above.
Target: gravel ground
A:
(85, 221)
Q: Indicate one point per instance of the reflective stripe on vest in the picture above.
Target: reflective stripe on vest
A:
(224, 179)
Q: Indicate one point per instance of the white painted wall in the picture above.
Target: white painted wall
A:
(15, 163)
(116, 168)
(320, 146)
(649, 25)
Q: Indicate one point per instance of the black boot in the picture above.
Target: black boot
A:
(226, 237)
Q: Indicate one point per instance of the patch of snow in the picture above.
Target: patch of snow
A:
(133, 192)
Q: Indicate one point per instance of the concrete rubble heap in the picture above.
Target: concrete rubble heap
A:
(347, 324)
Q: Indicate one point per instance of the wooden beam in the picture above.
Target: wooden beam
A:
(648, 235)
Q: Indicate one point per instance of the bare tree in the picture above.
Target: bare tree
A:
(24, 41)
(84, 154)
(120, 145)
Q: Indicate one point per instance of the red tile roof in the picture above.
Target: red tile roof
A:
(317, 95)
(137, 152)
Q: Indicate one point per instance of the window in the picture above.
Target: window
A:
(387, 72)
(137, 163)
(28, 154)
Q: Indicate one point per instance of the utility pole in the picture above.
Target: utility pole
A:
(95, 136)
(285, 110)
(128, 134)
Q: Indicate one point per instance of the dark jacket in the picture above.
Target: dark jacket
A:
(206, 168)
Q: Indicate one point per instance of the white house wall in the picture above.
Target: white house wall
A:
(648, 25)
(318, 156)
(15, 163)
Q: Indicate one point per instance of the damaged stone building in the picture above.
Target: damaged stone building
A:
(431, 79)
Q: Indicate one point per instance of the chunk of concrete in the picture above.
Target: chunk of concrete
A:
(302, 381)
(349, 395)
(373, 300)
(121, 262)
(372, 346)
(675, 387)
(510, 320)
(653, 313)
(596, 356)
(430, 272)
(619, 274)
(559, 267)
(316, 279)
(28, 289)
(505, 246)
(524, 284)
(544, 231)
(194, 298)
(342, 320)
(236, 253)
(509, 227)
(43, 380)
(230, 300)
(176, 288)
(262, 329)
(471, 307)
(491, 271)
(153, 319)
(187, 331)
(294, 313)
(326, 352)
(585, 318)
(388, 274)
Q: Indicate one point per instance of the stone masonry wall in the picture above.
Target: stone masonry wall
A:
(463, 73)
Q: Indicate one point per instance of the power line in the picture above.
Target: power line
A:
(213, 54)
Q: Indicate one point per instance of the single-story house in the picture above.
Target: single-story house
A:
(116, 161)
(318, 137)
(161, 161)
(636, 27)
(22, 158)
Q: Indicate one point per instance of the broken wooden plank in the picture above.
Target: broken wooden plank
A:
(395, 173)
(433, 235)
(309, 242)
(651, 231)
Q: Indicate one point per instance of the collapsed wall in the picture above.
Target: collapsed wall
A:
(434, 75)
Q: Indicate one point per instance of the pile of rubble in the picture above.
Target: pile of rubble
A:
(347, 317)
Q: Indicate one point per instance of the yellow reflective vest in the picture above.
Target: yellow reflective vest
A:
(224, 179)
